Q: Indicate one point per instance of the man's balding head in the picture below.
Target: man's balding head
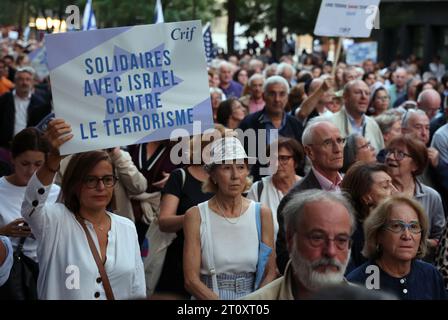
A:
(429, 101)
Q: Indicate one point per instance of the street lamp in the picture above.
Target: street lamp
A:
(41, 24)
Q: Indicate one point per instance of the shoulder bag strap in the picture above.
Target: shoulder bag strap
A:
(99, 264)
(260, 186)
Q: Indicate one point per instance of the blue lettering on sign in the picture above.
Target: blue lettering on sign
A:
(179, 34)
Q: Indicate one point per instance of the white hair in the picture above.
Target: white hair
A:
(308, 133)
(255, 76)
(409, 114)
(274, 80)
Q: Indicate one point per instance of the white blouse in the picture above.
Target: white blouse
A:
(67, 269)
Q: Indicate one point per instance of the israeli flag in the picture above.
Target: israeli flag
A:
(158, 13)
(208, 43)
(88, 19)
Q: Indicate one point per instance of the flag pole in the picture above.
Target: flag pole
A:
(336, 56)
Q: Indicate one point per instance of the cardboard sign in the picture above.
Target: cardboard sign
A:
(347, 18)
(129, 85)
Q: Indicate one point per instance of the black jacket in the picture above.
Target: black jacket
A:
(308, 182)
(7, 116)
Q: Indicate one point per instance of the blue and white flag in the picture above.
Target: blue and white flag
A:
(208, 43)
(88, 19)
(158, 13)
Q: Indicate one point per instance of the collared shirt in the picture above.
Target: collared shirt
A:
(361, 130)
(21, 107)
(272, 131)
(325, 183)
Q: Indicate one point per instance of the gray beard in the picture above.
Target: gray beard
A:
(311, 279)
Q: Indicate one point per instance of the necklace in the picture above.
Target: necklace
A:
(228, 218)
(97, 225)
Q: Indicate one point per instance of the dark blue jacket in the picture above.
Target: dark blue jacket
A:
(424, 282)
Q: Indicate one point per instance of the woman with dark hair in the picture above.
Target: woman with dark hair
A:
(357, 148)
(29, 150)
(367, 185)
(406, 159)
(379, 102)
(85, 252)
(241, 76)
(230, 113)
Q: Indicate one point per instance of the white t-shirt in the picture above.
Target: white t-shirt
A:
(11, 198)
(21, 112)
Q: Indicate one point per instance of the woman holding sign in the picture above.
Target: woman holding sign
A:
(85, 252)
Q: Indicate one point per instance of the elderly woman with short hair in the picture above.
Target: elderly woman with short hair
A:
(396, 233)
(357, 148)
(221, 248)
(406, 158)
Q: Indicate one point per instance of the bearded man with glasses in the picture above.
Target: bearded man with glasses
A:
(318, 226)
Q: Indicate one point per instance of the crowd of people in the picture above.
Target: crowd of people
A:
(358, 186)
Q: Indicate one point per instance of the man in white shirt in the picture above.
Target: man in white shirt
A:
(15, 106)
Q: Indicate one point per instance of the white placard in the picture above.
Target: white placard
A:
(347, 18)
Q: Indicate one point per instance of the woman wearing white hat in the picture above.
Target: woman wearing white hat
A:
(222, 250)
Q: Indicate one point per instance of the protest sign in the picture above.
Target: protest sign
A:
(129, 85)
(346, 18)
(358, 52)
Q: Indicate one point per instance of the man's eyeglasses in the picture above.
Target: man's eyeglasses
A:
(398, 154)
(398, 226)
(318, 240)
(328, 143)
(91, 182)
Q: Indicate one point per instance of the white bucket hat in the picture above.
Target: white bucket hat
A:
(226, 150)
